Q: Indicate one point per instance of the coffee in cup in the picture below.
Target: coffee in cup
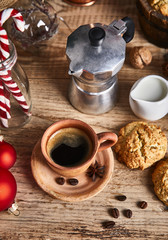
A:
(69, 147)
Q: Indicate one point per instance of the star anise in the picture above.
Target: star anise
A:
(95, 171)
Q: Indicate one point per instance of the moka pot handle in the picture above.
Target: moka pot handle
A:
(129, 34)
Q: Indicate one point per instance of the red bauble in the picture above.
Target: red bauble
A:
(7, 155)
(8, 189)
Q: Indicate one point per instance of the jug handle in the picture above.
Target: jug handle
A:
(129, 34)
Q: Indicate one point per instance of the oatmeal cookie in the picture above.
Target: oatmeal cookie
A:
(140, 145)
(160, 180)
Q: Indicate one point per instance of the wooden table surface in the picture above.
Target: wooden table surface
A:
(45, 218)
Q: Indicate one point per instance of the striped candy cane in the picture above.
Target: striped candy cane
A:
(4, 105)
(5, 75)
(4, 44)
(13, 88)
(19, 24)
(17, 17)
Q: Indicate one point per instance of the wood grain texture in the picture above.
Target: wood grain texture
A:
(41, 216)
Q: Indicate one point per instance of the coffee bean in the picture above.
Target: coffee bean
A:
(73, 181)
(60, 180)
(115, 212)
(143, 204)
(109, 224)
(121, 197)
(128, 213)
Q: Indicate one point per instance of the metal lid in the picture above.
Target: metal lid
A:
(97, 48)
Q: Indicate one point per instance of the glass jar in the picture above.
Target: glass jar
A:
(15, 100)
(41, 26)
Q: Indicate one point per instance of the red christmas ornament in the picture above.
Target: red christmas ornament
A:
(7, 154)
(8, 189)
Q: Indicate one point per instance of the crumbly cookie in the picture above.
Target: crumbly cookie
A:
(160, 180)
(140, 145)
(160, 6)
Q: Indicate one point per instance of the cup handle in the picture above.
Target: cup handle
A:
(106, 140)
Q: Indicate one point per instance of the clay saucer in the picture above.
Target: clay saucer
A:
(85, 189)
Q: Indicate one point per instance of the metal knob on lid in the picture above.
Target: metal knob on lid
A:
(96, 36)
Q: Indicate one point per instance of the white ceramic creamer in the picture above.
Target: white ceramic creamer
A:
(149, 97)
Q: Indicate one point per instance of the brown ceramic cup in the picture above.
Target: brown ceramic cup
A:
(98, 142)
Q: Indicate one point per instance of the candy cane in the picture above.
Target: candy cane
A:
(5, 75)
(13, 88)
(19, 24)
(4, 105)
(4, 44)
(17, 17)
(7, 101)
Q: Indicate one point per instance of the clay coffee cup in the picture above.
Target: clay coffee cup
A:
(70, 146)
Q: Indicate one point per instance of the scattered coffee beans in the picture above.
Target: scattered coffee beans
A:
(109, 224)
(73, 181)
(115, 212)
(121, 197)
(143, 204)
(60, 180)
(128, 213)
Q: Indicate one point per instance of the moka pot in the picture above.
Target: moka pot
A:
(96, 53)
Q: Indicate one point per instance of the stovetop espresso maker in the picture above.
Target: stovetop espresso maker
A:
(96, 53)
